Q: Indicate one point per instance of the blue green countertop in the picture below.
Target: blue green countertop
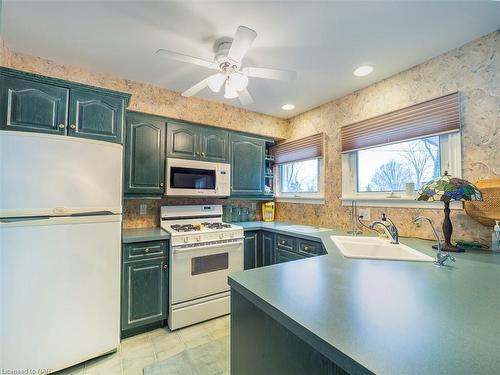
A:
(381, 316)
(144, 234)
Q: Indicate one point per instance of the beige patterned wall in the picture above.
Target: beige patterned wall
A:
(474, 70)
(151, 99)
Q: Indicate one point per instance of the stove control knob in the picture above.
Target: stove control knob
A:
(186, 239)
(198, 238)
(221, 236)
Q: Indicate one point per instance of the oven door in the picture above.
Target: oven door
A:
(203, 270)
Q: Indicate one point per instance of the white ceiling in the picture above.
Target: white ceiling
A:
(322, 41)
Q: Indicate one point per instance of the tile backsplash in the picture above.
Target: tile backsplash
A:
(132, 217)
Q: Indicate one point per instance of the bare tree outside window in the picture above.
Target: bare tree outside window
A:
(300, 177)
(390, 167)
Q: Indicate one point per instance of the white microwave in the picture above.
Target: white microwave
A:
(191, 178)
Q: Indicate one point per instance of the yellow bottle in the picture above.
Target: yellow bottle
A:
(268, 211)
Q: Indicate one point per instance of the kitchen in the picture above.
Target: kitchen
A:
(145, 217)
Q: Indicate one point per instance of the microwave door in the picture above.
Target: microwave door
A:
(192, 178)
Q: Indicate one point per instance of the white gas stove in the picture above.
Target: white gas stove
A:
(203, 252)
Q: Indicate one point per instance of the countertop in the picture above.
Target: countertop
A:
(386, 317)
(144, 234)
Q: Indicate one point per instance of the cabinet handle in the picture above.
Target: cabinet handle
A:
(197, 153)
(72, 126)
(161, 184)
(203, 154)
(146, 250)
(62, 126)
(165, 266)
(306, 248)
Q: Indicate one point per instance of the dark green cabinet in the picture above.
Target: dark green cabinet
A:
(144, 154)
(27, 105)
(250, 249)
(30, 102)
(214, 145)
(144, 298)
(268, 250)
(247, 165)
(96, 116)
(196, 142)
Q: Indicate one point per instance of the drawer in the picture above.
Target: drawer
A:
(287, 256)
(144, 250)
(285, 242)
(310, 248)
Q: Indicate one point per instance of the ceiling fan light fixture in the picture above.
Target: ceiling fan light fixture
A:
(363, 70)
(239, 81)
(216, 81)
(230, 91)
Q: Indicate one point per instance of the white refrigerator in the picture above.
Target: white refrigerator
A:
(60, 231)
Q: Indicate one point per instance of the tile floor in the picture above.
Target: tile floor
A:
(139, 351)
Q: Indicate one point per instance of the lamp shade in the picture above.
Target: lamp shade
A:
(447, 188)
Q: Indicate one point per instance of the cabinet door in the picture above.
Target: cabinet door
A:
(251, 249)
(183, 140)
(96, 116)
(268, 252)
(214, 145)
(247, 165)
(144, 292)
(144, 154)
(27, 105)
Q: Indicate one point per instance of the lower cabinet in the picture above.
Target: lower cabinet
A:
(144, 286)
(263, 248)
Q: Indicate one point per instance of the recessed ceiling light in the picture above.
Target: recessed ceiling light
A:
(363, 70)
(287, 107)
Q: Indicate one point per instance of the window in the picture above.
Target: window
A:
(390, 168)
(383, 154)
(299, 170)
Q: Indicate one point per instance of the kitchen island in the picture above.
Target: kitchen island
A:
(329, 314)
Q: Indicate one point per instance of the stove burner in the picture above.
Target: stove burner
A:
(198, 227)
(216, 225)
(185, 227)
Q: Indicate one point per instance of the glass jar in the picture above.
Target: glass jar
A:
(251, 215)
(244, 214)
(227, 214)
(236, 216)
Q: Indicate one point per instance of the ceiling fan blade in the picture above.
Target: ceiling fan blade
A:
(185, 58)
(245, 97)
(242, 41)
(196, 88)
(278, 74)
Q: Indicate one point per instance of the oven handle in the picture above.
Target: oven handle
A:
(224, 245)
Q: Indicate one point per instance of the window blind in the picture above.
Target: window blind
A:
(433, 117)
(299, 149)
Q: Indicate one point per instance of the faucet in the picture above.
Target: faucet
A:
(392, 233)
(441, 256)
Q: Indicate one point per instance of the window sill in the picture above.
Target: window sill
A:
(398, 203)
(303, 200)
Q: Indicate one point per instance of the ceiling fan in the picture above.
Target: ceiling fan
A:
(229, 53)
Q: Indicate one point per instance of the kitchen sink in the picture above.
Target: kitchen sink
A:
(377, 248)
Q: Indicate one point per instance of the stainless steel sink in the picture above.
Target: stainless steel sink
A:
(377, 248)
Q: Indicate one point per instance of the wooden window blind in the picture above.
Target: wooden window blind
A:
(433, 117)
(299, 149)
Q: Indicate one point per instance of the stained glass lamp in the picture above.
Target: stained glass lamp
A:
(446, 189)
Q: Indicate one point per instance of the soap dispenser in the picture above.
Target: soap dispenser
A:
(495, 237)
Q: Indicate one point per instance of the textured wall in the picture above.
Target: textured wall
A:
(152, 99)
(474, 70)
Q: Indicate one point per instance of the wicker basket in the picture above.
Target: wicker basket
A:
(488, 211)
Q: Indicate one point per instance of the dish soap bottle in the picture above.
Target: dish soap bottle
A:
(495, 237)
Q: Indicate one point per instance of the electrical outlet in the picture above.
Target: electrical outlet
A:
(364, 213)
(143, 209)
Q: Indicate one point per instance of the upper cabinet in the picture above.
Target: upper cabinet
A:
(196, 142)
(144, 154)
(97, 116)
(247, 165)
(30, 102)
(32, 106)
